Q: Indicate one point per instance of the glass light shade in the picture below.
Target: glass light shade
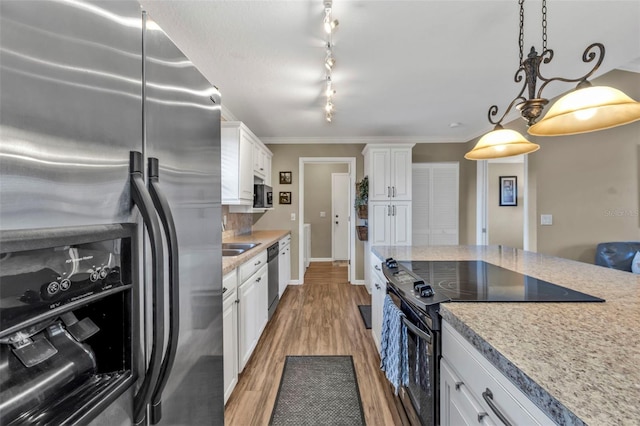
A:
(501, 143)
(586, 110)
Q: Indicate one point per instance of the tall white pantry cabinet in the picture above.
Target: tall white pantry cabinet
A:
(390, 190)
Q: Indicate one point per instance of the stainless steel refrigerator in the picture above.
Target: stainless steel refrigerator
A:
(95, 100)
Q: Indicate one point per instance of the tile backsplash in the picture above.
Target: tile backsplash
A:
(237, 223)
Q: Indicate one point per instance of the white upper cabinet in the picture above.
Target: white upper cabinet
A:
(243, 159)
(389, 171)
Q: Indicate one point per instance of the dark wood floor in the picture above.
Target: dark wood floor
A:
(320, 317)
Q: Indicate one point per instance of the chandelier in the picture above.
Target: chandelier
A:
(585, 109)
(329, 25)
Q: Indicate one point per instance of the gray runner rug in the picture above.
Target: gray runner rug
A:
(318, 390)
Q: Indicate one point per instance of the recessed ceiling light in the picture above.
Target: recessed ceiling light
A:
(455, 124)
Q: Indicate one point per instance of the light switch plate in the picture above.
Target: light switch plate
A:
(546, 219)
(323, 214)
(293, 216)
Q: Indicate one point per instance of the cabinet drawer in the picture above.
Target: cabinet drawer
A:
(479, 375)
(229, 283)
(252, 265)
(284, 242)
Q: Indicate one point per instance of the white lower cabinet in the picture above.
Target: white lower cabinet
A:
(378, 293)
(473, 391)
(252, 306)
(230, 332)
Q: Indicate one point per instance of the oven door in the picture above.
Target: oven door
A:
(422, 389)
(420, 398)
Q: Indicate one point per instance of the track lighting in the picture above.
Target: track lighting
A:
(585, 109)
(329, 61)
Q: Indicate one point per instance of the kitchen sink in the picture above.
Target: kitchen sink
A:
(235, 249)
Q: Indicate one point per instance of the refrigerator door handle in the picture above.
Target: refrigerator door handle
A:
(143, 201)
(166, 217)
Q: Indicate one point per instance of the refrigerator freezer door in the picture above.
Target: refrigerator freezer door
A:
(182, 127)
(69, 111)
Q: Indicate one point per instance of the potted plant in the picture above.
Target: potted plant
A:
(362, 198)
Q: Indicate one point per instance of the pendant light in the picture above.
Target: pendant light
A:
(585, 109)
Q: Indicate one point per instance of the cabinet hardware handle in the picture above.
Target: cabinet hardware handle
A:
(488, 397)
(237, 301)
(389, 191)
(394, 210)
(377, 268)
(458, 384)
(389, 210)
(224, 290)
(394, 192)
(377, 286)
(258, 279)
(259, 262)
(482, 415)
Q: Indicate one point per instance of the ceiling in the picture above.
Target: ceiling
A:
(406, 70)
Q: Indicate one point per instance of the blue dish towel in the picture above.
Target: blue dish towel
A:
(394, 358)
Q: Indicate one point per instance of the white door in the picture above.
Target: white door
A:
(340, 187)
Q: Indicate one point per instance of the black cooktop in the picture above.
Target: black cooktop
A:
(478, 281)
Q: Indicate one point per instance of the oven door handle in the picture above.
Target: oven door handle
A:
(415, 330)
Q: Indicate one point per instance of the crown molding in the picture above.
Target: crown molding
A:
(358, 140)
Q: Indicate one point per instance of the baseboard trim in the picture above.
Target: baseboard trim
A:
(321, 259)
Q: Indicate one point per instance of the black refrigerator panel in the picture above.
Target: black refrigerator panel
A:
(65, 322)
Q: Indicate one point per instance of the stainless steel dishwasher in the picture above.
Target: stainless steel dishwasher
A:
(273, 280)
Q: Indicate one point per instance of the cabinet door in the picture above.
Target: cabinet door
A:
(246, 166)
(401, 223)
(379, 223)
(230, 343)
(247, 318)
(457, 405)
(379, 174)
(262, 300)
(258, 160)
(284, 269)
(400, 179)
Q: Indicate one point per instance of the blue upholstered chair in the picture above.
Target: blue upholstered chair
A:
(617, 255)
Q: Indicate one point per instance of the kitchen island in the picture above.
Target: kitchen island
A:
(578, 362)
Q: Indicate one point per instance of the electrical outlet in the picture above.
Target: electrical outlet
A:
(546, 219)
(293, 216)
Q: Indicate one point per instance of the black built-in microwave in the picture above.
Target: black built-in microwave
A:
(262, 196)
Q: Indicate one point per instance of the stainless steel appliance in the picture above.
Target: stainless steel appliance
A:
(262, 196)
(273, 277)
(104, 122)
(419, 287)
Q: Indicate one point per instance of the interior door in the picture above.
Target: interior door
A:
(340, 187)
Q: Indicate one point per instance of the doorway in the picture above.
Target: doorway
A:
(349, 182)
(340, 188)
(497, 222)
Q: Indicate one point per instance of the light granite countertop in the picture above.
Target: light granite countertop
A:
(264, 238)
(578, 362)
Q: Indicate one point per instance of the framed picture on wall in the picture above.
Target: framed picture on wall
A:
(508, 190)
(285, 178)
(285, 198)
